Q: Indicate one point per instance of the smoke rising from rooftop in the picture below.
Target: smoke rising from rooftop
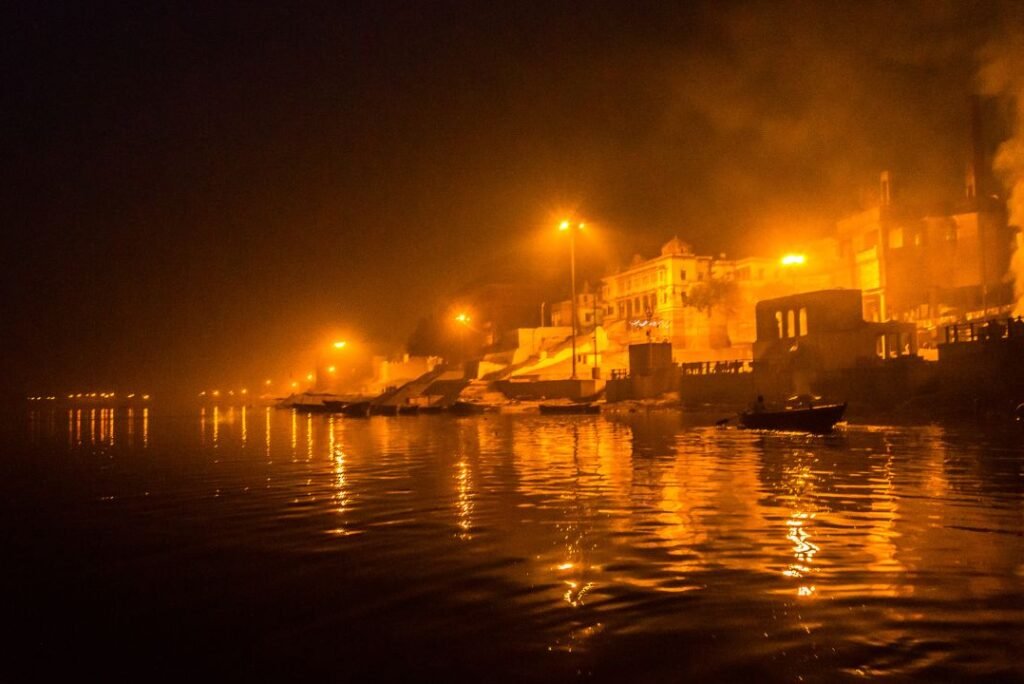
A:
(1002, 74)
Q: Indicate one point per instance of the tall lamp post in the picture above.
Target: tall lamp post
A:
(463, 320)
(572, 229)
(338, 345)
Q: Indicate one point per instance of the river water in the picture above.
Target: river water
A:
(231, 542)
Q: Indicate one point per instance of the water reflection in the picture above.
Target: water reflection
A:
(595, 529)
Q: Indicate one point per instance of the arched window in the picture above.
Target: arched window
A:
(803, 320)
(778, 324)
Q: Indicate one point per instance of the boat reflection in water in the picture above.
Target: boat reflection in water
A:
(625, 547)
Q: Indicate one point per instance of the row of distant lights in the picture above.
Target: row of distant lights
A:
(230, 393)
(244, 391)
(92, 395)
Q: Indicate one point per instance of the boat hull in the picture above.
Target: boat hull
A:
(817, 419)
(569, 409)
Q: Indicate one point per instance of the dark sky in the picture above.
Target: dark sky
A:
(191, 192)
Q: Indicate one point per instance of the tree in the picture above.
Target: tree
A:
(716, 293)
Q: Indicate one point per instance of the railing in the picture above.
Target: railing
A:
(717, 367)
(620, 374)
(980, 331)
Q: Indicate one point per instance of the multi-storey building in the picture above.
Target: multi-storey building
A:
(652, 299)
(916, 265)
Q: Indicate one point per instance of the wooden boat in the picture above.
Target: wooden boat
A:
(569, 409)
(469, 408)
(356, 409)
(383, 409)
(817, 419)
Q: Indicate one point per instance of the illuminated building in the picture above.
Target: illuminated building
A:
(651, 299)
(935, 265)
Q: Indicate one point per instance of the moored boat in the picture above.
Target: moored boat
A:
(570, 409)
(469, 408)
(817, 419)
(356, 409)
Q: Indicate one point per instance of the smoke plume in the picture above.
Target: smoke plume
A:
(1002, 75)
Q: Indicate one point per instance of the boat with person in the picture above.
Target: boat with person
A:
(807, 417)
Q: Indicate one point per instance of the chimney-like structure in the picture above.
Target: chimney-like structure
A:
(976, 182)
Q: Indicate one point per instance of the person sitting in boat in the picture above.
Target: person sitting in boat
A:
(758, 406)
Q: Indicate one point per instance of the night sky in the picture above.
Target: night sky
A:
(192, 193)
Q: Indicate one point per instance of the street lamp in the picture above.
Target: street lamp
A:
(320, 363)
(572, 229)
(463, 320)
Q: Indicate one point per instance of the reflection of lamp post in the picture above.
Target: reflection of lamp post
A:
(565, 225)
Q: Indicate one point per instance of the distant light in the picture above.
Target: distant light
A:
(267, 383)
(294, 385)
(309, 376)
(340, 344)
(462, 318)
(793, 260)
(216, 393)
(202, 394)
(331, 369)
(245, 391)
(564, 225)
(145, 397)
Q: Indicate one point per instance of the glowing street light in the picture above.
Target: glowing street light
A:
(572, 229)
(463, 320)
(793, 260)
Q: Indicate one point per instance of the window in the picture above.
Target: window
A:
(803, 321)
(791, 323)
(870, 239)
(682, 275)
(778, 324)
(895, 238)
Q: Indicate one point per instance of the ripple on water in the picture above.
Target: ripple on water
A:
(631, 546)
